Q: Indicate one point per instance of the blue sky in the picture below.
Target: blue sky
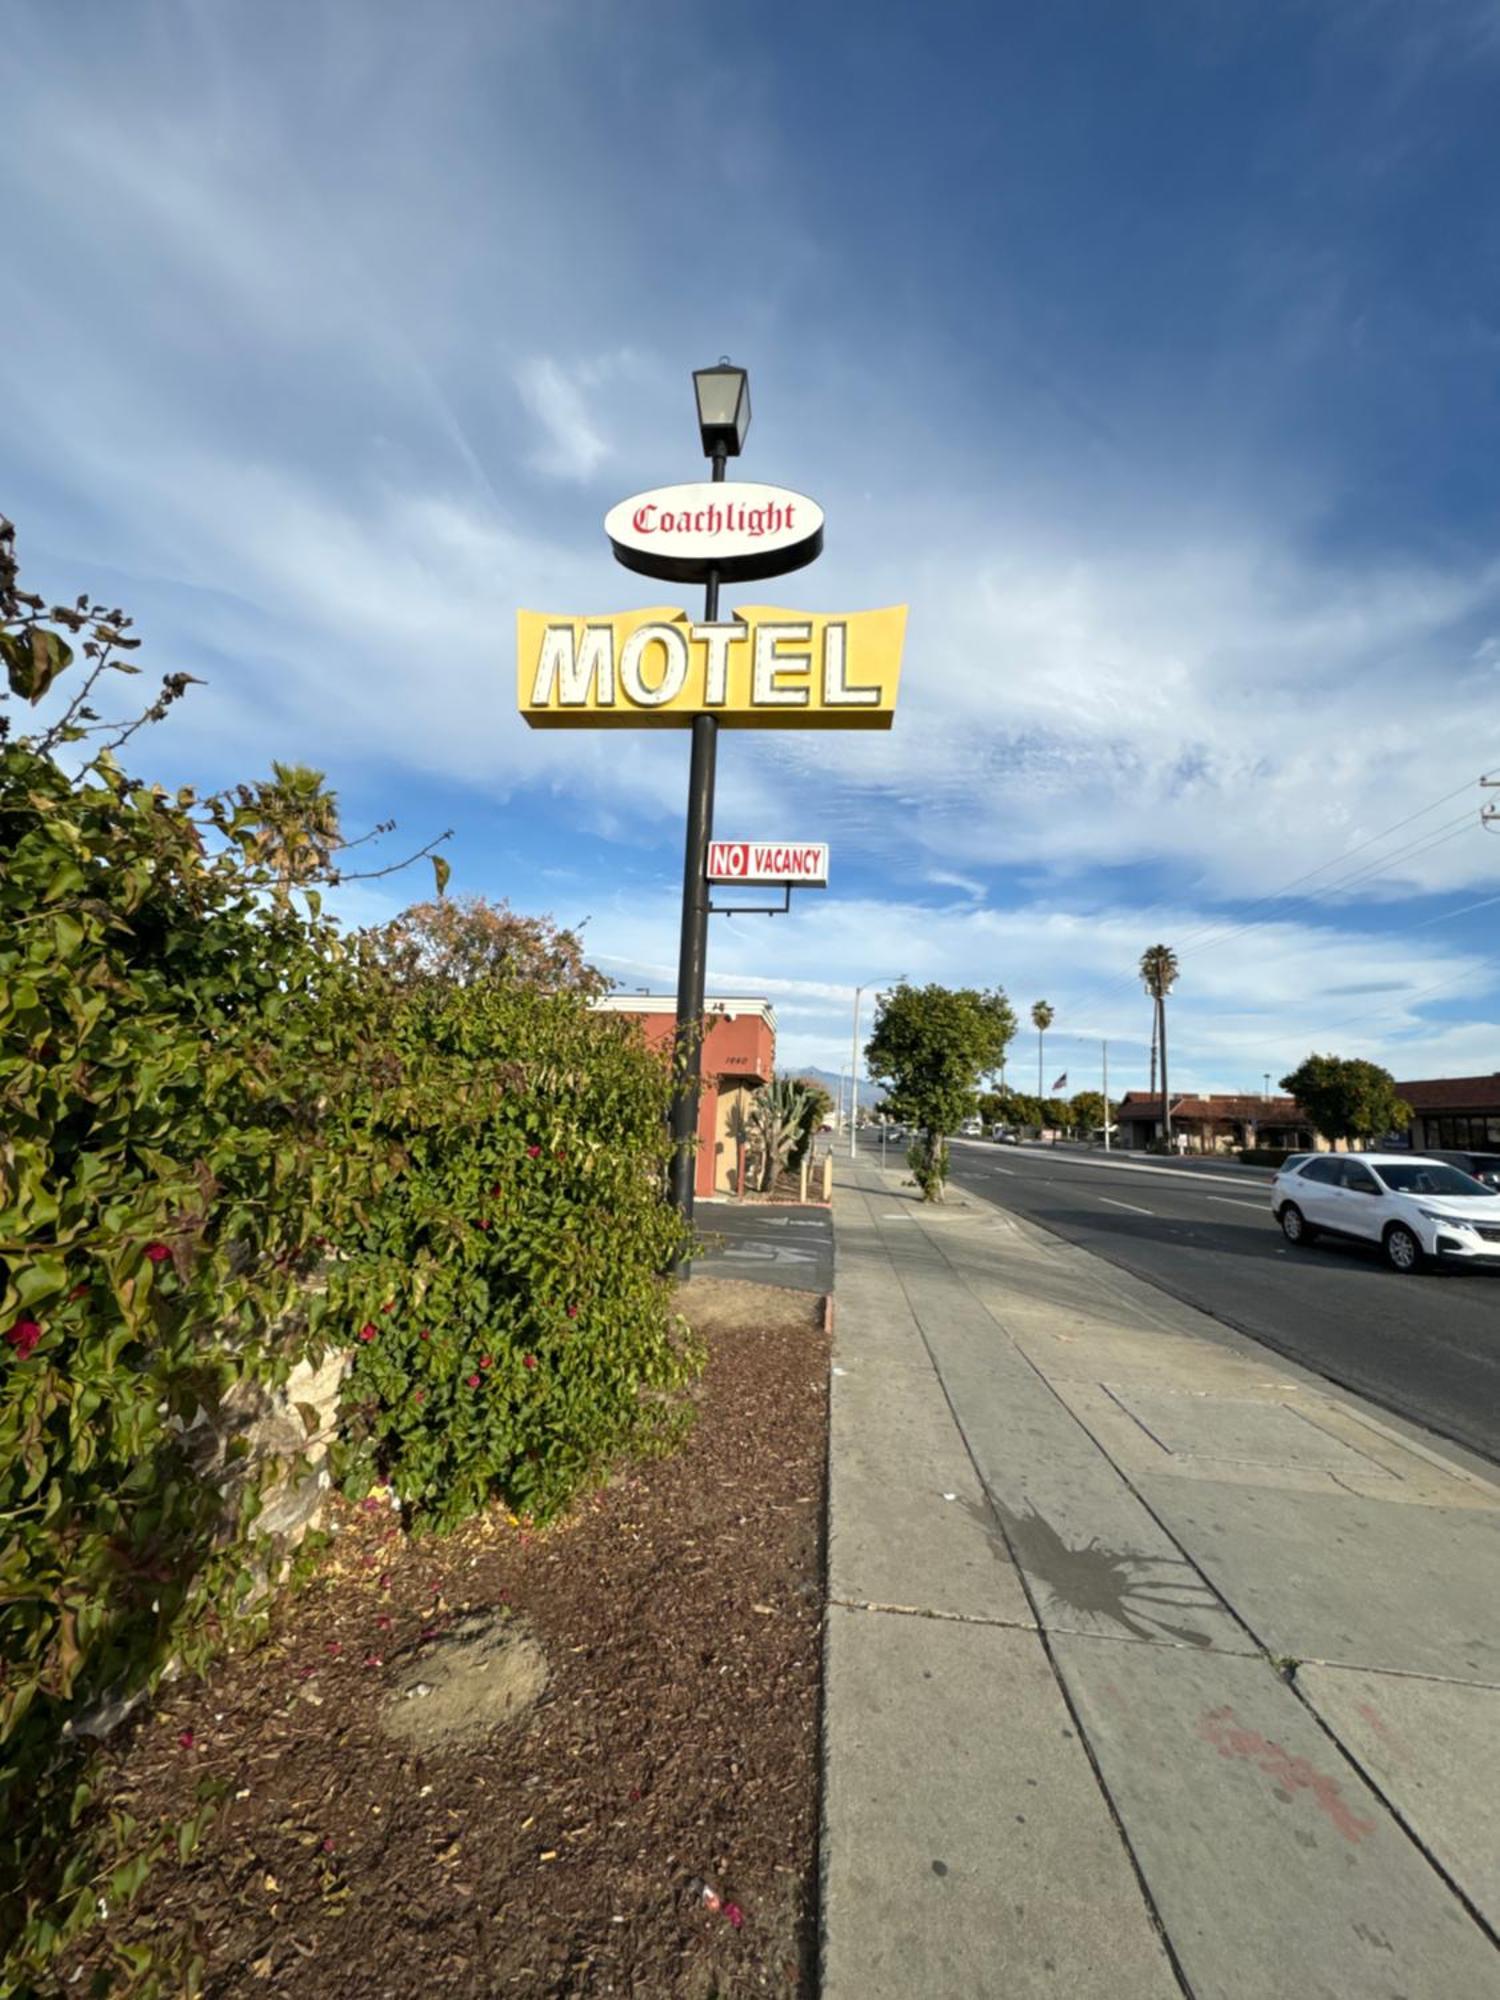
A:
(1150, 353)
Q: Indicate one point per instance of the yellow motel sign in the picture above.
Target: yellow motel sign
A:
(761, 668)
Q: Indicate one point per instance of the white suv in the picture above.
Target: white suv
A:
(1414, 1208)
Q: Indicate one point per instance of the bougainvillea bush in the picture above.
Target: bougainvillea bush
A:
(511, 1319)
(230, 1138)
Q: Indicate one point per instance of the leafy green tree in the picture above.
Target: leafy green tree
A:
(1087, 1111)
(460, 940)
(1057, 1114)
(1159, 976)
(1348, 1098)
(929, 1049)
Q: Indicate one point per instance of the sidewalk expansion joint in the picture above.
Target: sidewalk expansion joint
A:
(927, 1611)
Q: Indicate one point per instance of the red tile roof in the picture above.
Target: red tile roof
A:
(1267, 1110)
(1453, 1093)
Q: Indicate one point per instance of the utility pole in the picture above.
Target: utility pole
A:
(1105, 1047)
(854, 1078)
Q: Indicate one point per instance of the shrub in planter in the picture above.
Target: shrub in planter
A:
(513, 1328)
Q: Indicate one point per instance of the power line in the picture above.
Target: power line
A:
(1212, 934)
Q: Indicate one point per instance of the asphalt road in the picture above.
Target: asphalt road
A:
(1426, 1347)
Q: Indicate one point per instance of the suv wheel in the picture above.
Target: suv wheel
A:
(1295, 1226)
(1402, 1250)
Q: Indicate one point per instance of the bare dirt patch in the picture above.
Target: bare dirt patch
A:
(642, 1821)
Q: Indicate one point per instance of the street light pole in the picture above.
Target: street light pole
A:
(854, 1078)
(692, 957)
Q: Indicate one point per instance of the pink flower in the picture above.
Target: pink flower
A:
(384, 1621)
(497, 1190)
(389, 1306)
(420, 1396)
(328, 1843)
(528, 1361)
(473, 1381)
(533, 1152)
(368, 1330)
(425, 1334)
(735, 1914)
(335, 1645)
(23, 1336)
(572, 1312)
(373, 1660)
(486, 1361)
(80, 1291)
(385, 1579)
(481, 1225)
(186, 1738)
(158, 1252)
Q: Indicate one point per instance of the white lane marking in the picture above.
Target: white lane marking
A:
(1229, 1201)
(1113, 1163)
(1005, 1170)
(1126, 1204)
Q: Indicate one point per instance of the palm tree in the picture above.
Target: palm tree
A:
(1159, 976)
(1042, 1018)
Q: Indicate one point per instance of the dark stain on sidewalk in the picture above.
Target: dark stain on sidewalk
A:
(1131, 1591)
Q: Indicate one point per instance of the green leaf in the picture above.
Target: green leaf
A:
(442, 872)
(34, 657)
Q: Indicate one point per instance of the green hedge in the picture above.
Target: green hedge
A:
(226, 1142)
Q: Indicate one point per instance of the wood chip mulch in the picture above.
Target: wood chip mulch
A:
(648, 1828)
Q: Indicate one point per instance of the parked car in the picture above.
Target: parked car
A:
(1414, 1207)
(1483, 1166)
(1005, 1135)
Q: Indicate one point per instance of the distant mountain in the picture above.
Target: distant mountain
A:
(826, 1077)
(869, 1093)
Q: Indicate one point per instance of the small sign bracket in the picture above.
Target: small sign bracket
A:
(781, 909)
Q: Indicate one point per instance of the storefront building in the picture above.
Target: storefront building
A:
(1216, 1124)
(1460, 1112)
(739, 1058)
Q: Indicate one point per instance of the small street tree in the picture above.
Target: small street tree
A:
(1348, 1098)
(1042, 1018)
(1088, 1110)
(930, 1047)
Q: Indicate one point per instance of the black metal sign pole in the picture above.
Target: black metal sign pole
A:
(692, 958)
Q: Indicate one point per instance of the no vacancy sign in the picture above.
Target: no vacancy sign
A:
(776, 864)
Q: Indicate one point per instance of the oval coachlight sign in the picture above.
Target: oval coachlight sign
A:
(742, 531)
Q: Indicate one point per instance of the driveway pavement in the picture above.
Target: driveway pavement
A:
(770, 1244)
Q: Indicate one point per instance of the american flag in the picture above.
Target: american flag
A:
(1062, 1082)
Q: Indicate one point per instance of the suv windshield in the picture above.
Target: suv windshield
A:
(1430, 1177)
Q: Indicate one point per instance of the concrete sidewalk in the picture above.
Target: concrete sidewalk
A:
(1154, 1665)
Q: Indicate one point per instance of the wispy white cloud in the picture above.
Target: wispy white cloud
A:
(572, 447)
